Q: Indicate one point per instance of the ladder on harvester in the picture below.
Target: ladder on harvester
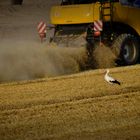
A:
(106, 15)
(106, 10)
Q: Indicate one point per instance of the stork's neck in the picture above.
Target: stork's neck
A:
(107, 72)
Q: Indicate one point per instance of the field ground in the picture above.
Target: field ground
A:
(74, 107)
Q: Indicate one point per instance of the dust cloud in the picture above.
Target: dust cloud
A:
(29, 61)
(26, 61)
(103, 57)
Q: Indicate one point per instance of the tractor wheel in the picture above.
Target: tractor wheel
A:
(126, 48)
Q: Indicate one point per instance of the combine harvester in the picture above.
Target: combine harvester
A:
(113, 22)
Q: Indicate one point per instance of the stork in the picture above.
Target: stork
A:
(110, 79)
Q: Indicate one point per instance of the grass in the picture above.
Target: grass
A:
(80, 106)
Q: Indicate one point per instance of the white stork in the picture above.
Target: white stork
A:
(110, 79)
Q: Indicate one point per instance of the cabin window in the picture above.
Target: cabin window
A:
(133, 3)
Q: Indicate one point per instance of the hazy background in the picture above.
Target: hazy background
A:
(23, 56)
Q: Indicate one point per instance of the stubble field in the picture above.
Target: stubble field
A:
(75, 107)
(79, 106)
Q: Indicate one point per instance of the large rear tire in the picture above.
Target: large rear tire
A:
(126, 48)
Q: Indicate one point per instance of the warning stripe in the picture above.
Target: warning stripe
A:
(98, 25)
(41, 27)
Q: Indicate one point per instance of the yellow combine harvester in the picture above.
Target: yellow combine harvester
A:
(120, 20)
